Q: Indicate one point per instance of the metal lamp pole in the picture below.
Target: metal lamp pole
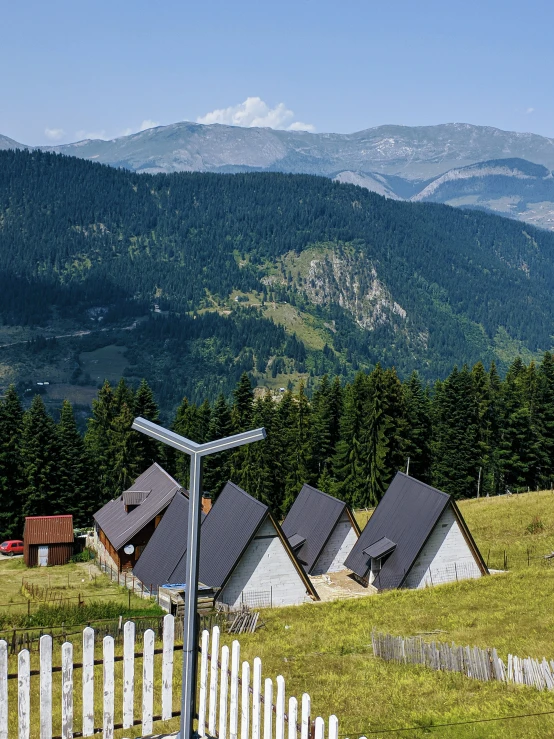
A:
(190, 630)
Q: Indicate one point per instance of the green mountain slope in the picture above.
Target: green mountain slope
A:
(356, 277)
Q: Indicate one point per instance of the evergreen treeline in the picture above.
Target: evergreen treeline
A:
(77, 235)
(471, 431)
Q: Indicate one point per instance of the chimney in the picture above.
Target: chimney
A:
(206, 502)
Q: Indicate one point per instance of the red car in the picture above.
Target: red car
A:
(11, 547)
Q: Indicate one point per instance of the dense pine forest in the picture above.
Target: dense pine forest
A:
(417, 286)
(471, 432)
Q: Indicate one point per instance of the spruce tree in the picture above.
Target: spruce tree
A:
(242, 459)
(217, 467)
(40, 451)
(418, 429)
(77, 492)
(126, 451)
(99, 440)
(262, 484)
(456, 451)
(150, 450)
(11, 466)
(301, 447)
(349, 463)
(186, 424)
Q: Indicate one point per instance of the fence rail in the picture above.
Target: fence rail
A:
(224, 695)
(480, 664)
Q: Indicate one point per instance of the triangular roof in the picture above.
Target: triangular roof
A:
(406, 517)
(225, 535)
(313, 517)
(119, 525)
(48, 530)
(167, 544)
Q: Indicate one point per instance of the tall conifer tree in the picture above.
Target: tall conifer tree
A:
(77, 493)
(11, 466)
(40, 452)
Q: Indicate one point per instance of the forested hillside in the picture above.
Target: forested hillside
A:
(472, 428)
(363, 279)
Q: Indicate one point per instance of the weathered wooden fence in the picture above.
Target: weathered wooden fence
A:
(481, 664)
(224, 695)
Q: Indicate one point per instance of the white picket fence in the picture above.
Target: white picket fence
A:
(224, 695)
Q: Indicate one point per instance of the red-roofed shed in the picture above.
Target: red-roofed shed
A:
(48, 540)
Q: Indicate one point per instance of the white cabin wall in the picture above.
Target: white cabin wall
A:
(265, 568)
(337, 549)
(446, 557)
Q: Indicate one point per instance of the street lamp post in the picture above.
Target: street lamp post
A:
(190, 630)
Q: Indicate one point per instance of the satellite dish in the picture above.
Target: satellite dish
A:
(129, 549)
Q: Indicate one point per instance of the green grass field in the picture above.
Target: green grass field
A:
(106, 363)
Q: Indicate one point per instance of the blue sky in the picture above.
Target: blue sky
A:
(77, 69)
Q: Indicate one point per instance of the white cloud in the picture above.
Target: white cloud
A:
(148, 124)
(82, 134)
(529, 111)
(255, 112)
(54, 134)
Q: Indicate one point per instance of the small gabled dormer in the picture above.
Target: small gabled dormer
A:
(133, 498)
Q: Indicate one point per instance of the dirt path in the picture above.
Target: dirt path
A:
(340, 586)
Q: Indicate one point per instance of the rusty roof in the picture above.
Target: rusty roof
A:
(48, 530)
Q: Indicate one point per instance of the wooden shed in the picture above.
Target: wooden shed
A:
(48, 540)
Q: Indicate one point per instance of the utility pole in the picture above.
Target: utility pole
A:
(190, 626)
(479, 482)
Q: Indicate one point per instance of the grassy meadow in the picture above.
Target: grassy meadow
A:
(325, 648)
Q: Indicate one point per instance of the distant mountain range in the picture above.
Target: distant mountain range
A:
(459, 164)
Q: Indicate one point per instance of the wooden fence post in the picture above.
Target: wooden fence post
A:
(293, 718)
(280, 709)
(45, 687)
(268, 708)
(202, 698)
(306, 710)
(213, 681)
(148, 682)
(67, 690)
(333, 727)
(109, 686)
(128, 674)
(256, 698)
(4, 689)
(244, 703)
(88, 681)
(24, 694)
(224, 692)
(234, 709)
(319, 728)
(167, 665)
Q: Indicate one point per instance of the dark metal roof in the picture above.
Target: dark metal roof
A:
(296, 541)
(406, 515)
(380, 548)
(48, 530)
(225, 534)
(167, 544)
(313, 516)
(119, 525)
